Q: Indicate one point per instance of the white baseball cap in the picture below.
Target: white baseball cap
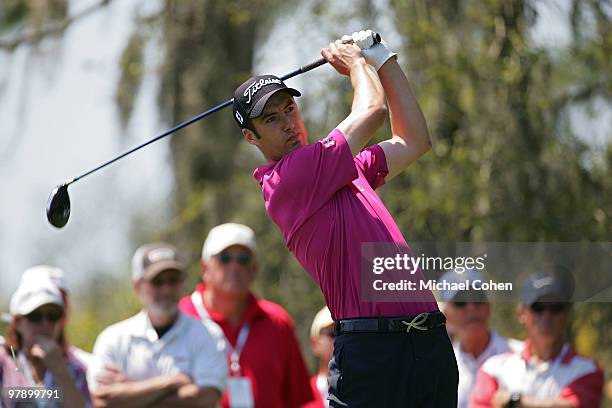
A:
(152, 259)
(225, 235)
(322, 320)
(32, 294)
(56, 275)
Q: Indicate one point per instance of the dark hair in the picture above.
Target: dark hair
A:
(251, 126)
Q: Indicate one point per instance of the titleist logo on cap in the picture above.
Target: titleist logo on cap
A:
(257, 85)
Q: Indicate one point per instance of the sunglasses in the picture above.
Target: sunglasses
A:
(553, 307)
(37, 317)
(242, 258)
(463, 304)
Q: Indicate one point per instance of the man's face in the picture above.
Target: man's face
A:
(468, 316)
(323, 344)
(544, 320)
(231, 272)
(160, 295)
(279, 129)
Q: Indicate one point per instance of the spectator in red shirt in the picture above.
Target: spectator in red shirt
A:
(267, 369)
(545, 372)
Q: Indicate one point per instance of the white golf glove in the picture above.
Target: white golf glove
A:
(376, 54)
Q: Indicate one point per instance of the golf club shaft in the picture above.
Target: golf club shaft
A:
(225, 104)
(301, 70)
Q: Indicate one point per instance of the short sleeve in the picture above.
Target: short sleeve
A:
(79, 375)
(102, 355)
(585, 391)
(372, 163)
(483, 390)
(307, 178)
(210, 364)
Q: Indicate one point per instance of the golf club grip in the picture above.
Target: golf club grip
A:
(312, 65)
(321, 61)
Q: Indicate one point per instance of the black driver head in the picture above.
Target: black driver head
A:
(58, 206)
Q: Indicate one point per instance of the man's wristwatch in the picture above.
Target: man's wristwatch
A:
(515, 400)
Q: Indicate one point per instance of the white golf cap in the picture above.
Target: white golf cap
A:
(56, 275)
(224, 236)
(322, 320)
(32, 294)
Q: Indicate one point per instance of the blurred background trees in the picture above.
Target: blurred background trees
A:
(508, 162)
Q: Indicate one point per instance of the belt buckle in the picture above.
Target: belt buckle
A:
(418, 322)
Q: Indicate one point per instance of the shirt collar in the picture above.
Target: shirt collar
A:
(252, 312)
(142, 327)
(261, 171)
(489, 350)
(565, 354)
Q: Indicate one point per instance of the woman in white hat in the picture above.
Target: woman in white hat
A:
(35, 355)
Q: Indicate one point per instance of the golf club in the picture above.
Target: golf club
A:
(58, 205)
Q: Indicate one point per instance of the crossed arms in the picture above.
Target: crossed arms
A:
(177, 390)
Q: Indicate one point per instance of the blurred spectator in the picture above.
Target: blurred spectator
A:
(35, 352)
(322, 345)
(545, 372)
(5, 318)
(450, 330)
(474, 342)
(267, 369)
(158, 357)
(57, 276)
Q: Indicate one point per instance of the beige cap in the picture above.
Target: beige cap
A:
(225, 235)
(151, 259)
(322, 320)
(32, 294)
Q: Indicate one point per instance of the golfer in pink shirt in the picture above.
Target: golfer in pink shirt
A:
(322, 197)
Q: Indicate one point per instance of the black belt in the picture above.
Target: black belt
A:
(420, 322)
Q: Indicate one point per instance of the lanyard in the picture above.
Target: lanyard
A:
(233, 353)
(27, 372)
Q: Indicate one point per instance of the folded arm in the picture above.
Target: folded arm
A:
(138, 393)
(368, 110)
(191, 395)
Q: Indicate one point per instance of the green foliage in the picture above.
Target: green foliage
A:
(105, 300)
(12, 13)
(131, 76)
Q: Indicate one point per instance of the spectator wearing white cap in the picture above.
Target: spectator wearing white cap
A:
(58, 277)
(267, 369)
(545, 372)
(473, 340)
(35, 352)
(159, 357)
(322, 345)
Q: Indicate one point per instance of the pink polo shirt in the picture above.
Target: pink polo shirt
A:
(324, 203)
